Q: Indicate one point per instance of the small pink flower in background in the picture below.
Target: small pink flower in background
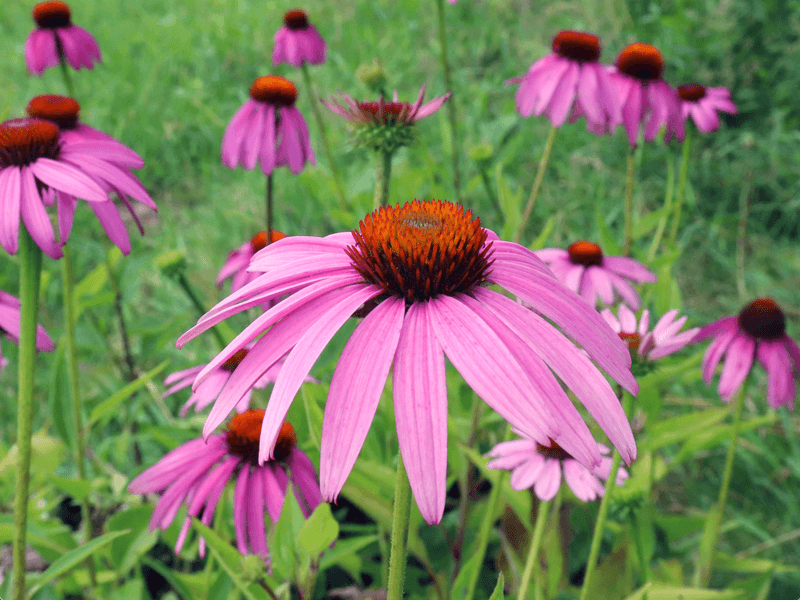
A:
(197, 472)
(664, 340)
(702, 103)
(107, 160)
(646, 99)
(419, 274)
(10, 323)
(381, 112)
(235, 267)
(570, 79)
(298, 41)
(759, 331)
(584, 269)
(269, 129)
(56, 36)
(540, 467)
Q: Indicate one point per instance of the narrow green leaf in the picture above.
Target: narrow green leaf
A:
(607, 241)
(726, 562)
(285, 549)
(712, 438)
(319, 531)
(109, 405)
(77, 488)
(460, 585)
(344, 548)
(125, 551)
(540, 240)
(497, 594)
(660, 591)
(180, 586)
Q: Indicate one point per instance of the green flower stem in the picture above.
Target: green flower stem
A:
(383, 173)
(626, 249)
(451, 106)
(269, 207)
(64, 68)
(741, 239)
(533, 551)
(662, 222)
(676, 220)
(198, 306)
(537, 183)
(400, 518)
(704, 572)
(337, 179)
(602, 513)
(30, 272)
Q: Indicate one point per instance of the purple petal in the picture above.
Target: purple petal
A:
(737, 365)
(66, 178)
(10, 194)
(549, 480)
(715, 351)
(775, 358)
(240, 503)
(304, 480)
(35, 218)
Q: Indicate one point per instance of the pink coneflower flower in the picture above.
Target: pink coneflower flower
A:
(298, 41)
(540, 466)
(583, 269)
(644, 96)
(196, 473)
(10, 323)
(571, 77)
(235, 268)
(664, 340)
(419, 275)
(702, 104)
(269, 129)
(382, 112)
(759, 331)
(56, 36)
(105, 159)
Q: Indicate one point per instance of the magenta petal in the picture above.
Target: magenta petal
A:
(775, 358)
(564, 95)
(65, 206)
(256, 136)
(256, 528)
(549, 83)
(716, 350)
(632, 112)
(112, 223)
(274, 493)
(267, 153)
(548, 481)
(304, 480)
(10, 194)
(35, 218)
(235, 133)
(240, 503)
(40, 50)
(737, 365)
(716, 328)
(66, 178)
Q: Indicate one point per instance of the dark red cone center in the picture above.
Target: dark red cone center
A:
(577, 45)
(762, 319)
(392, 111)
(273, 89)
(61, 110)
(641, 61)
(22, 141)
(553, 451)
(585, 253)
(633, 340)
(233, 361)
(243, 434)
(295, 20)
(259, 240)
(49, 15)
(692, 92)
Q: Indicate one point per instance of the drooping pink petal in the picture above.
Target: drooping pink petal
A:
(716, 349)
(564, 95)
(235, 133)
(256, 136)
(40, 50)
(274, 493)
(548, 481)
(525, 475)
(66, 178)
(304, 480)
(240, 499)
(113, 225)
(10, 194)
(737, 365)
(775, 358)
(35, 218)
(256, 530)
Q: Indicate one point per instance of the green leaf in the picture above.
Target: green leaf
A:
(647, 223)
(72, 558)
(285, 549)
(497, 594)
(713, 437)
(460, 585)
(345, 548)
(319, 531)
(173, 578)
(660, 591)
(58, 396)
(510, 204)
(126, 550)
(607, 241)
(668, 294)
(540, 240)
(678, 429)
(89, 286)
(77, 488)
(726, 562)
(108, 406)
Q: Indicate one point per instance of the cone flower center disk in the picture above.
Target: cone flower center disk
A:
(586, 254)
(577, 45)
(273, 89)
(553, 451)
(244, 431)
(641, 61)
(295, 19)
(633, 340)
(233, 362)
(22, 141)
(692, 92)
(392, 111)
(51, 14)
(259, 240)
(421, 249)
(763, 320)
(61, 110)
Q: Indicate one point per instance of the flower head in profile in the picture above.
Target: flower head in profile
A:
(107, 160)
(702, 103)
(10, 323)
(666, 337)
(298, 41)
(757, 332)
(584, 269)
(570, 80)
(197, 472)
(540, 466)
(419, 275)
(646, 99)
(235, 267)
(55, 37)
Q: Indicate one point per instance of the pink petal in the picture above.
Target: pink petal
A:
(549, 480)
(775, 358)
(35, 218)
(10, 194)
(737, 365)
(715, 351)
(66, 178)
(525, 475)
(240, 503)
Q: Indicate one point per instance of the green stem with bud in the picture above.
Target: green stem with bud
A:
(383, 172)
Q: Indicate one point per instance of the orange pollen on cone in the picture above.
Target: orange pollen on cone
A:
(259, 240)
(585, 253)
(295, 19)
(553, 451)
(22, 141)
(577, 46)
(273, 89)
(422, 249)
(392, 111)
(233, 361)
(632, 339)
(243, 435)
(51, 14)
(692, 92)
(762, 319)
(641, 61)
(61, 110)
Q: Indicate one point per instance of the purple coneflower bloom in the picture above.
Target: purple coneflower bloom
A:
(759, 331)
(298, 41)
(381, 112)
(644, 96)
(104, 158)
(540, 466)
(10, 323)
(235, 268)
(196, 473)
(56, 36)
(268, 128)
(571, 77)
(583, 269)
(664, 340)
(419, 275)
(702, 104)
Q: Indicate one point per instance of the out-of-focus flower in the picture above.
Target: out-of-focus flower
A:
(664, 340)
(235, 268)
(55, 36)
(540, 466)
(571, 78)
(702, 103)
(104, 158)
(759, 331)
(584, 269)
(196, 473)
(418, 274)
(646, 99)
(298, 41)
(267, 117)
(10, 323)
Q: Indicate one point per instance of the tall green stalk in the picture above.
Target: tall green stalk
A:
(676, 220)
(400, 518)
(269, 207)
(662, 222)
(62, 59)
(30, 256)
(537, 183)
(451, 106)
(626, 249)
(383, 173)
(533, 551)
